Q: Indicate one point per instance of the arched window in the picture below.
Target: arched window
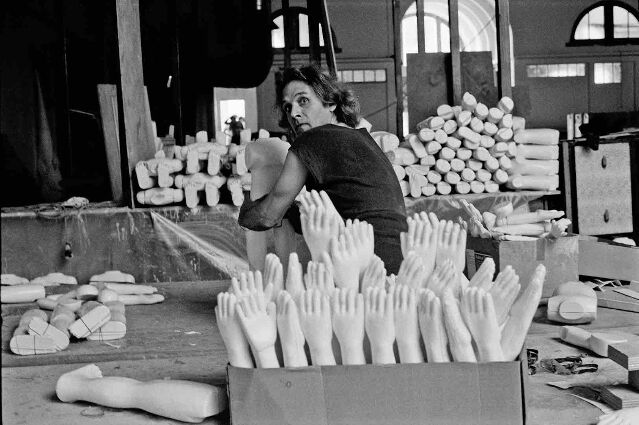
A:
(606, 22)
(299, 22)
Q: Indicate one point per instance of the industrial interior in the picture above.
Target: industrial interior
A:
(320, 212)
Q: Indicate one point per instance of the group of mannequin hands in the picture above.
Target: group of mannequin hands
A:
(429, 310)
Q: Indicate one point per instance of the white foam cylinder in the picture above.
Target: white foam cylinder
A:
(452, 178)
(444, 188)
(429, 189)
(426, 135)
(445, 111)
(476, 186)
(486, 141)
(481, 111)
(535, 167)
(474, 165)
(491, 187)
(481, 154)
(433, 177)
(464, 154)
(467, 175)
(440, 136)
(433, 147)
(442, 166)
(519, 123)
(505, 163)
(457, 165)
(464, 117)
(453, 142)
(447, 153)
(462, 187)
(537, 136)
(468, 102)
(504, 135)
(520, 182)
(476, 125)
(538, 151)
(494, 115)
(500, 176)
(483, 175)
(491, 164)
(450, 126)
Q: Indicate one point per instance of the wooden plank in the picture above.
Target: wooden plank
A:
(314, 50)
(182, 325)
(28, 393)
(138, 133)
(108, 99)
(289, 33)
(620, 396)
(626, 354)
(455, 58)
(421, 41)
(397, 56)
(328, 38)
(502, 15)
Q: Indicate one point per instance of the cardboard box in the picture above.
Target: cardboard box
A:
(560, 256)
(426, 393)
(606, 259)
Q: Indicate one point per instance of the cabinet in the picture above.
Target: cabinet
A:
(600, 186)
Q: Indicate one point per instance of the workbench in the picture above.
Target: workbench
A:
(178, 339)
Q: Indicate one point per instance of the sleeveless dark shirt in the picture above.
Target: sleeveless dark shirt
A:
(358, 177)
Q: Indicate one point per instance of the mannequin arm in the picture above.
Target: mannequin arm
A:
(176, 399)
(268, 211)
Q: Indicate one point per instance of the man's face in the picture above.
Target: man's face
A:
(303, 108)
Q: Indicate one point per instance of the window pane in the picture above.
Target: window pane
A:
(581, 32)
(444, 35)
(596, 23)
(616, 72)
(409, 36)
(608, 73)
(303, 36)
(277, 35)
(380, 75)
(542, 70)
(591, 26)
(531, 71)
(581, 69)
(553, 71)
(572, 70)
(599, 71)
(430, 34)
(633, 26)
(321, 35)
(620, 22)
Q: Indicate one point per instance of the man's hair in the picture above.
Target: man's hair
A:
(327, 88)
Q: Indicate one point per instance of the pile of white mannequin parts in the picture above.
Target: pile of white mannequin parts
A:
(472, 148)
(94, 311)
(502, 223)
(192, 174)
(429, 311)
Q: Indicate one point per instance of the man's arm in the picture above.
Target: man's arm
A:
(268, 211)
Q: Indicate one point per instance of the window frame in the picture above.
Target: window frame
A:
(609, 38)
(295, 11)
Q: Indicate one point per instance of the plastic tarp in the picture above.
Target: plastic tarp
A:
(450, 207)
(163, 244)
(154, 245)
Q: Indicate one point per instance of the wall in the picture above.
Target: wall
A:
(364, 33)
(546, 101)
